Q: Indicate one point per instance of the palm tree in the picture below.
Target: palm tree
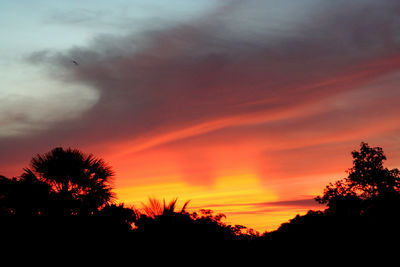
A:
(80, 182)
(161, 220)
(156, 208)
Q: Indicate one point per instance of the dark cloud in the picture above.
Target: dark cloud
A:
(266, 207)
(233, 62)
(306, 202)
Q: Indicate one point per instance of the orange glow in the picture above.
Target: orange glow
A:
(240, 112)
(258, 177)
(258, 167)
(230, 195)
(233, 183)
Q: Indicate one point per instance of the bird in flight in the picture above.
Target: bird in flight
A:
(76, 63)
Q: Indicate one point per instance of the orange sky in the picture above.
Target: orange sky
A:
(231, 185)
(241, 108)
(260, 169)
(238, 178)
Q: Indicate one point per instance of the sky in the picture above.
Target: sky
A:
(249, 108)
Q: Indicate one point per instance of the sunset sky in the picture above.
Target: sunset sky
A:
(249, 108)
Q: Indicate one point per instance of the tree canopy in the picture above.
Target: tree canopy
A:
(80, 182)
(368, 182)
(362, 209)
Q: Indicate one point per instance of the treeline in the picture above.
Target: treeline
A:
(65, 194)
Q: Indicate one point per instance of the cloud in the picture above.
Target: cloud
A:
(304, 202)
(244, 65)
(276, 211)
(76, 16)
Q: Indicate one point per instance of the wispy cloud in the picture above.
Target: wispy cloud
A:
(304, 202)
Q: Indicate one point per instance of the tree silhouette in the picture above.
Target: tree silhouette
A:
(368, 184)
(161, 222)
(81, 183)
(362, 209)
(63, 191)
(159, 219)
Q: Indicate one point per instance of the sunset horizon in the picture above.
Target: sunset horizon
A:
(246, 108)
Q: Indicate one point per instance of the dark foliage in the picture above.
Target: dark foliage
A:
(63, 194)
(163, 224)
(80, 183)
(363, 209)
(66, 195)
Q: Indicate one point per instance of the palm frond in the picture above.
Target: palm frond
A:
(157, 208)
(154, 208)
(185, 206)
